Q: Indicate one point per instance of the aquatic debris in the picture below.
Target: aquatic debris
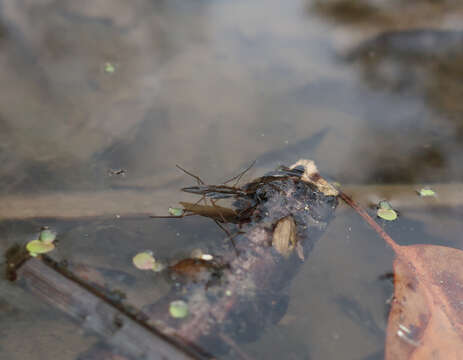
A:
(178, 309)
(36, 247)
(195, 270)
(244, 288)
(284, 236)
(119, 172)
(426, 192)
(425, 317)
(198, 254)
(47, 236)
(207, 257)
(109, 68)
(312, 176)
(121, 326)
(146, 261)
(385, 211)
(175, 211)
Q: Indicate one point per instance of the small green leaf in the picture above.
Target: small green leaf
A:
(426, 192)
(384, 205)
(36, 247)
(47, 236)
(144, 261)
(178, 309)
(175, 211)
(387, 214)
(109, 68)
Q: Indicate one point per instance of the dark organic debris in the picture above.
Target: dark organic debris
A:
(121, 326)
(249, 291)
(217, 299)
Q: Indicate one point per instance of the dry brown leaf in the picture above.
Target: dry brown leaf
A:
(426, 319)
(214, 212)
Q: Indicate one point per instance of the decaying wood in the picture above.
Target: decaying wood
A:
(251, 291)
(122, 330)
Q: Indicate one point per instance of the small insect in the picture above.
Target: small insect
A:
(248, 196)
(224, 191)
(117, 172)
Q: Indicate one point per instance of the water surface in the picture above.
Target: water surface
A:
(371, 93)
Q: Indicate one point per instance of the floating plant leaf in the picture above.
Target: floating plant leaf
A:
(426, 192)
(36, 247)
(383, 204)
(178, 309)
(47, 236)
(385, 211)
(387, 214)
(144, 261)
(109, 68)
(175, 211)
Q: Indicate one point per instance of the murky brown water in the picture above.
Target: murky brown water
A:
(214, 85)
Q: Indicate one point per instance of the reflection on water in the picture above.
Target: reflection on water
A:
(370, 91)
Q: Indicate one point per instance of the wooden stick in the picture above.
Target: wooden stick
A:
(370, 221)
(119, 328)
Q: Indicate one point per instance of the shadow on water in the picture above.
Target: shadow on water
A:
(371, 92)
(418, 69)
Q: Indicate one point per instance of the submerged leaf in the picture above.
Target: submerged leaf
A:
(426, 318)
(36, 247)
(47, 236)
(194, 270)
(144, 261)
(178, 309)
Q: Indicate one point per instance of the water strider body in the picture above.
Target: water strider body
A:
(248, 190)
